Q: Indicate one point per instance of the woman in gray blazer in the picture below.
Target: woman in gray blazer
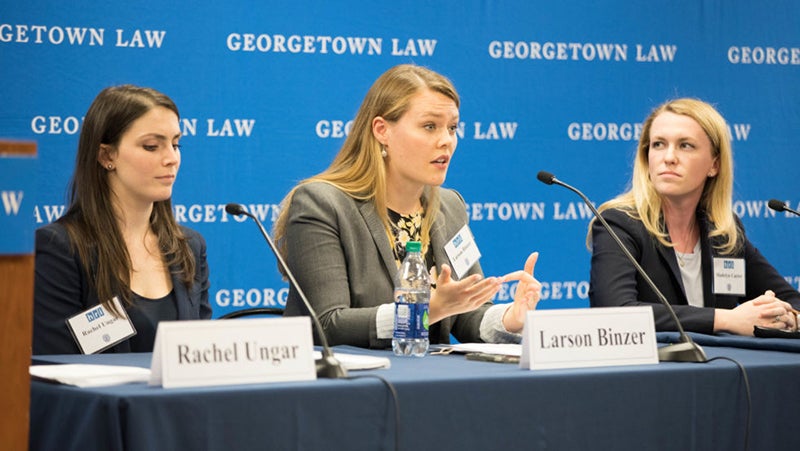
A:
(342, 232)
(118, 238)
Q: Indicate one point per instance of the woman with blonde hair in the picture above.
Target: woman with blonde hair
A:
(678, 222)
(343, 231)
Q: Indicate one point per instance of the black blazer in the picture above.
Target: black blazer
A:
(615, 282)
(61, 290)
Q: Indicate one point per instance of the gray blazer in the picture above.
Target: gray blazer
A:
(341, 257)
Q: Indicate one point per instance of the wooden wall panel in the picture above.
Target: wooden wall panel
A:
(16, 323)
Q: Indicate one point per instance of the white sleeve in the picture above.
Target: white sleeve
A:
(492, 329)
(384, 321)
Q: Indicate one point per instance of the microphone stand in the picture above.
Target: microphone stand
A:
(328, 366)
(684, 351)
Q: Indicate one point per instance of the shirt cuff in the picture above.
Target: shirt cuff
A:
(384, 321)
(492, 329)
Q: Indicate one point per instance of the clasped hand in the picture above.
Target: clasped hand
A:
(765, 311)
(775, 313)
(452, 297)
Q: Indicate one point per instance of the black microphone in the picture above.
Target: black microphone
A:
(777, 205)
(685, 351)
(327, 366)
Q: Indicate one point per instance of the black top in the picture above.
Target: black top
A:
(145, 313)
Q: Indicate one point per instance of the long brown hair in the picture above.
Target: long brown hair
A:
(90, 220)
(358, 169)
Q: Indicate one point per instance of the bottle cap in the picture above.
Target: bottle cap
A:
(413, 246)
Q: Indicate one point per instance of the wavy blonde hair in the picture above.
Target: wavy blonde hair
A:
(643, 203)
(358, 169)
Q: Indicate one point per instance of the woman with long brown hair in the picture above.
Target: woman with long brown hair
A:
(118, 239)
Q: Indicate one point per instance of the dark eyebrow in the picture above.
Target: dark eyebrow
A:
(159, 136)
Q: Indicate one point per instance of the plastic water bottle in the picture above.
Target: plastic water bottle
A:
(412, 294)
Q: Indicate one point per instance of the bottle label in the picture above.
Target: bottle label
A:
(410, 321)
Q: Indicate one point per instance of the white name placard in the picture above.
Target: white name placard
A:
(575, 338)
(224, 352)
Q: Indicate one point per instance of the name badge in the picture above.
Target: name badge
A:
(462, 251)
(577, 338)
(97, 329)
(729, 276)
(222, 352)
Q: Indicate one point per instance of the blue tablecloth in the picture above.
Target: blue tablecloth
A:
(734, 341)
(446, 403)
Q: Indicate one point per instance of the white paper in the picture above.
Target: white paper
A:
(86, 375)
(513, 349)
(355, 362)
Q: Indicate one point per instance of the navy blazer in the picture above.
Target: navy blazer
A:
(61, 290)
(615, 282)
(338, 250)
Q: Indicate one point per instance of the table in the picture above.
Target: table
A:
(446, 403)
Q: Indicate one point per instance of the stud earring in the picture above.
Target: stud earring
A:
(110, 166)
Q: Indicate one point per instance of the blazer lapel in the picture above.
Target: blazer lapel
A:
(437, 248)
(707, 252)
(668, 255)
(438, 241)
(378, 233)
(183, 301)
(707, 258)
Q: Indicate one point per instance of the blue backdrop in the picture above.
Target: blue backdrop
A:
(267, 89)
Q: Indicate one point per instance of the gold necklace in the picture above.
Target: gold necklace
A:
(681, 255)
(681, 261)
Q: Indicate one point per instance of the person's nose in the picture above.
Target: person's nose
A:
(448, 139)
(670, 157)
(172, 157)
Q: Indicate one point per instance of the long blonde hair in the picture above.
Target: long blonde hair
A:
(358, 169)
(642, 202)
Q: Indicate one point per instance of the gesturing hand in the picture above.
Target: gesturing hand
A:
(526, 296)
(452, 297)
